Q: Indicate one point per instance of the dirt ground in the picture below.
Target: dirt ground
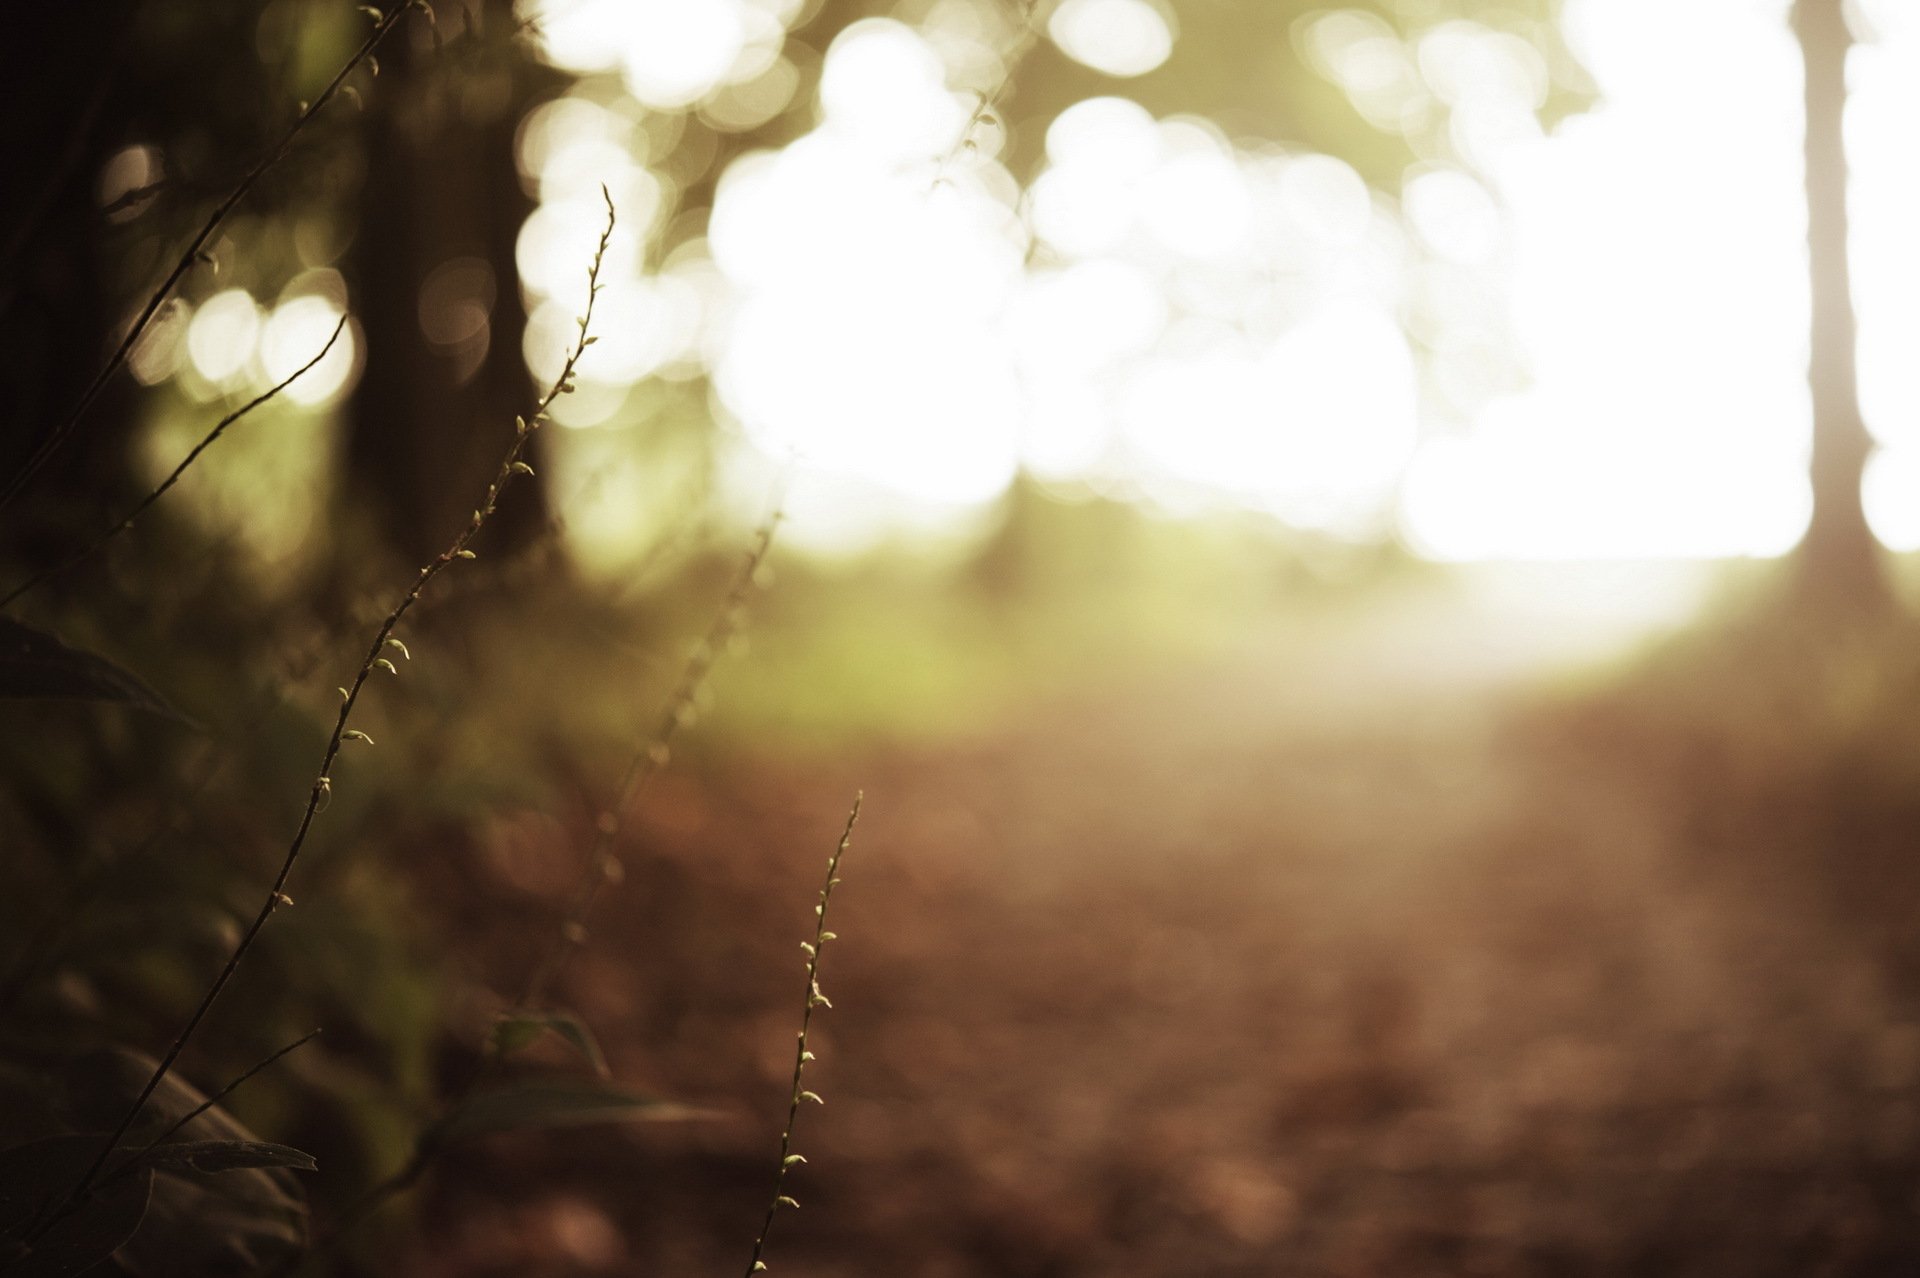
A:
(1249, 968)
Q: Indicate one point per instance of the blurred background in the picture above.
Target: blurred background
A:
(1360, 556)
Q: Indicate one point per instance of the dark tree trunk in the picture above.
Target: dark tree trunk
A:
(431, 418)
(1840, 561)
(56, 320)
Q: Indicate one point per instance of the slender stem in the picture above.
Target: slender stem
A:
(139, 1155)
(192, 456)
(602, 867)
(511, 468)
(814, 998)
(132, 196)
(983, 108)
(11, 487)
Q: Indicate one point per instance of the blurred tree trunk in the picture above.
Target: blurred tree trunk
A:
(441, 210)
(57, 321)
(1840, 562)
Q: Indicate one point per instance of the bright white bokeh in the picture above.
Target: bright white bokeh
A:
(1122, 38)
(1609, 323)
(865, 338)
(1884, 81)
(1218, 318)
(1366, 57)
(296, 331)
(883, 94)
(669, 53)
(222, 336)
(1659, 294)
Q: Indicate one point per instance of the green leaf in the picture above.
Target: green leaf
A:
(36, 665)
(520, 1029)
(551, 1104)
(35, 1179)
(514, 1033)
(225, 1155)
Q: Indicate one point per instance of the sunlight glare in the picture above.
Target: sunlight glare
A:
(1453, 215)
(677, 51)
(1314, 427)
(547, 254)
(1892, 496)
(862, 337)
(1122, 38)
(1884, 207)
(160, 350)
(1196, 202)
(223, 335)
(670, 53)
(883, 88)
(1610, 320)
(1365, 56)
(295, 333)
(1660, 297)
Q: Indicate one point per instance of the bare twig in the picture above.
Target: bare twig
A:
(132, 196)
(160, 491)
(801, 1056)
(985, 106)
(11, 487)
(603, 866)
(135, 1159)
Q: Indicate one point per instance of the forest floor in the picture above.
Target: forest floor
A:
(1365, 961)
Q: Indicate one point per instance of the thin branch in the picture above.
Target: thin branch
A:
(603, 866)
(985, 106)
(58, 436)
(134, 195)
(140, 1155)
(511, 468)
(814, 998)
(174, 478)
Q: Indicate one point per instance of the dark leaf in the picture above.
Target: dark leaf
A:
(225, 1155)
(552, 1104)
(35, 1180)
(248, 1221)
(239, 1222)
(35, 665)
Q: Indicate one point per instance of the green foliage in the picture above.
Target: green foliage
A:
(521, 1030)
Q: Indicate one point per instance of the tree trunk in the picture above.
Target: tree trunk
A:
(56, 318)
(1840, 562)
(441, 211)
